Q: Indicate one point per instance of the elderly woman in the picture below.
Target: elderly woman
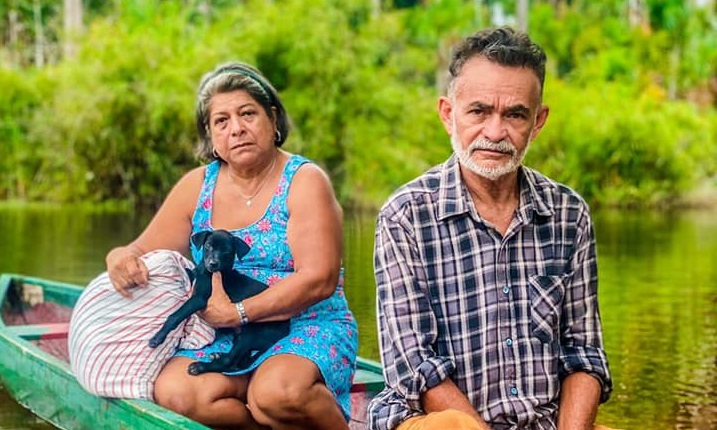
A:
(283, 206)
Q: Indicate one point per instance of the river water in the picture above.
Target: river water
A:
(658, 296)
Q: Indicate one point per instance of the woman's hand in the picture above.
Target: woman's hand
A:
(220, 311)
(126, 270)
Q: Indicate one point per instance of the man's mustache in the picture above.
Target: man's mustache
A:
(483, 144)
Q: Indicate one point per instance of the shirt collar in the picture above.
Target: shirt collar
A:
(453, 198)
(533, 194)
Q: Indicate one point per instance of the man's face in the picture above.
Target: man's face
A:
(493, 114)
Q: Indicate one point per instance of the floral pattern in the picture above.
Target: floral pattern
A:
(327, 323)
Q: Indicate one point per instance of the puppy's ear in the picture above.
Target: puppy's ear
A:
(240, 247)
(199, 238)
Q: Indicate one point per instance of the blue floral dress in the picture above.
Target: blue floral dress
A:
(325, 333)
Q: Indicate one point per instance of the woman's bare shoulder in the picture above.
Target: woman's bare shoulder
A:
(311, 184)
(310, 176)
(192, 179)
(185, 191)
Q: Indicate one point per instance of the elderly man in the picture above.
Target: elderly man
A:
(486, 269)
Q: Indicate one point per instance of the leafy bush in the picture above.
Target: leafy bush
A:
(618, 146)
(18, 157)
(116, 123)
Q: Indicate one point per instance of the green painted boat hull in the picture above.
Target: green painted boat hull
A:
(45, 385)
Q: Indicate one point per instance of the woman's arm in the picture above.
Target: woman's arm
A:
(169, 229)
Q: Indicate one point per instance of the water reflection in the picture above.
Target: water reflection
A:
(360, 284)
(658, 292)
(62, 243)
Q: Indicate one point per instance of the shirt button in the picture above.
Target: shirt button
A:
(509, 341)
(514, 391)
(506, 290)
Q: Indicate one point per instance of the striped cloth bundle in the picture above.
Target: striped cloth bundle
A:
(109, 334)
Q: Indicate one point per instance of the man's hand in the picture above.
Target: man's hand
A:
(446, 395)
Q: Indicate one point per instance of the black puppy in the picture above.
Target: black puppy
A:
(219, 249)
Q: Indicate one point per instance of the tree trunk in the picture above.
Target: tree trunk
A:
(375, 8)
(39, 36)
(13, 37)
(637, 13)
(478, 16)
(522, 15)
(72, 26)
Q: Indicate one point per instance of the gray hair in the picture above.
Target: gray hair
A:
(501, 45)
(232, 77)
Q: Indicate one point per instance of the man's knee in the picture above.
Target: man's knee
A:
(450, 419)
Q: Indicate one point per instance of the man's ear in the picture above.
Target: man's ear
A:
(540, 119)
(445, 112)
(199, 238)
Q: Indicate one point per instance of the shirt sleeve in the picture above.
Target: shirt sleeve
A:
(582, 343)
(407, 325)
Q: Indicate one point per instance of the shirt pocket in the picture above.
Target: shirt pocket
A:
(546, 299)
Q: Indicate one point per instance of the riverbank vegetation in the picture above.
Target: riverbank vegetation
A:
(632, 93)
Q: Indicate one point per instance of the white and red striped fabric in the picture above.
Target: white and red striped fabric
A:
(109, 334)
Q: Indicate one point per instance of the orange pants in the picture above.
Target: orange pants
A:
(450, 419)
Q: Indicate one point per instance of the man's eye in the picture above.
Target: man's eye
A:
(518, 116)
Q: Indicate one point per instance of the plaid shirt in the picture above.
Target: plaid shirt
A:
(506, 318)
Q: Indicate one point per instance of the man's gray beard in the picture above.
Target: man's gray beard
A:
(490, 173)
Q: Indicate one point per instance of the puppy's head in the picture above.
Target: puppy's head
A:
(219, 248)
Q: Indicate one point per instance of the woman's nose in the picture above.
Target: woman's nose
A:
(236, 125)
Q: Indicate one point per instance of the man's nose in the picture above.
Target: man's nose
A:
(494, 128)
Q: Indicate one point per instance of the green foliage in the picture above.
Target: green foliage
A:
(116, 123)
(18, 158)
(127, 123)
(625, 147)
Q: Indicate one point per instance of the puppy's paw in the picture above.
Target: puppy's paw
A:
(156, 340)
(196, 368)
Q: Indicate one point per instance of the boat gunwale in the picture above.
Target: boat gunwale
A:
(157, 417)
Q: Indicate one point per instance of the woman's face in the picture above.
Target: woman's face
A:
(239, 127)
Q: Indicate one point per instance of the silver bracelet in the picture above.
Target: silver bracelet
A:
(244, 319)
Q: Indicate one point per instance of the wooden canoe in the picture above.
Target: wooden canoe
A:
(35, 370)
